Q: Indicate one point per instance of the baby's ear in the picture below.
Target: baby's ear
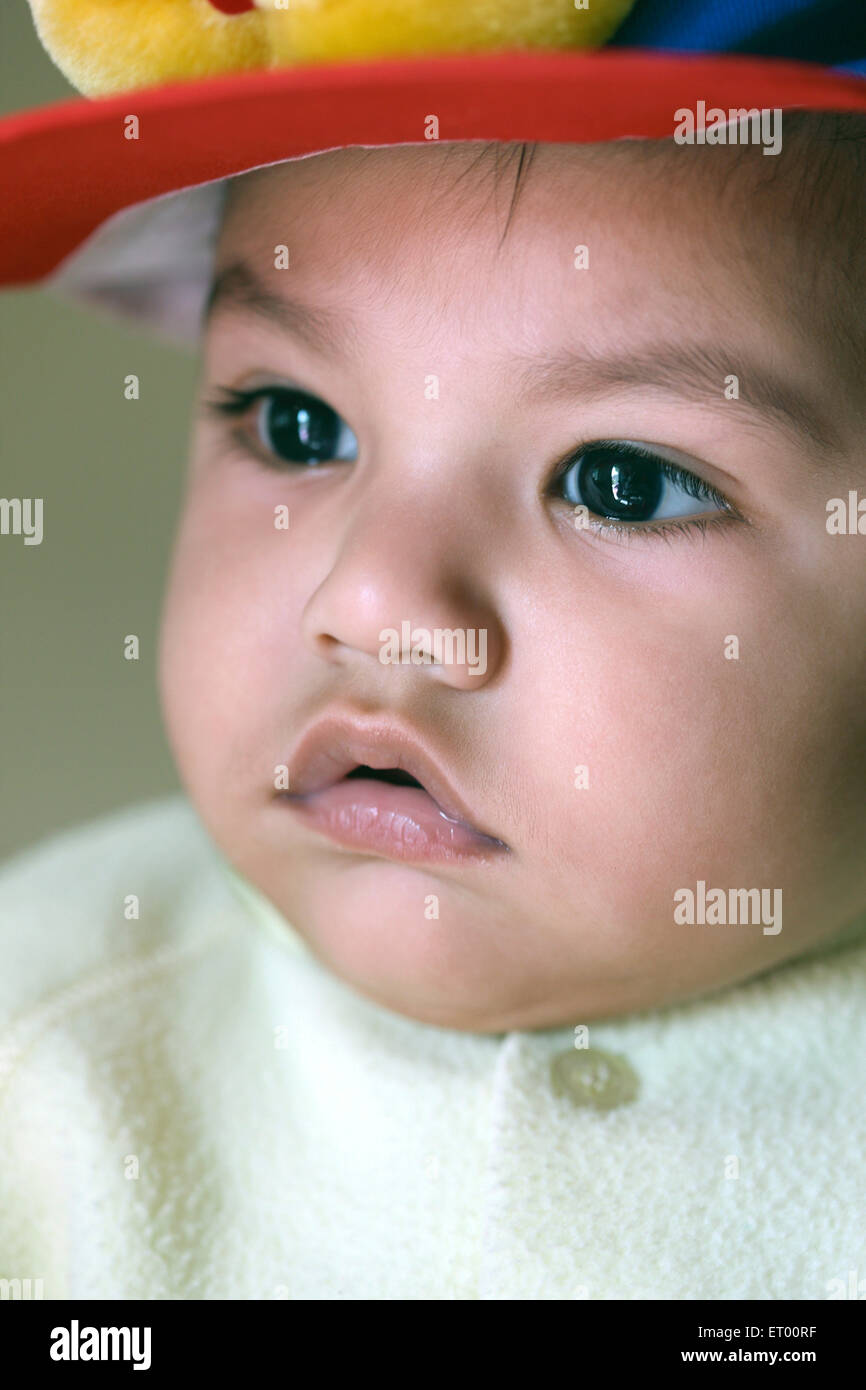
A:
(104, 46)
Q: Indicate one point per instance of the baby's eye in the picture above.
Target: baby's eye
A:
(622, 481)
(292, 425)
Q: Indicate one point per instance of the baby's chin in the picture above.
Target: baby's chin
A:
(407, 942)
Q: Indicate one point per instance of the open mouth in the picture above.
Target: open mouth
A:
(395, 775)
(386, 811)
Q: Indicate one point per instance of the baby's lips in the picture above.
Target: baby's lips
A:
(337, 744)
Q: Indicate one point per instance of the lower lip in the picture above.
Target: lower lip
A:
(397, 822)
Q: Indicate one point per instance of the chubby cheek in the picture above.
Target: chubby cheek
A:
(227, 654)
(636, 791)
(676, 763)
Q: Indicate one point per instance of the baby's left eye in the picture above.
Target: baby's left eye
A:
(622, 481)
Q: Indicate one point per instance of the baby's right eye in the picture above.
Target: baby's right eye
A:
(291, 425)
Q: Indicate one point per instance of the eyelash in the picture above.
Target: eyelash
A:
(235, 403)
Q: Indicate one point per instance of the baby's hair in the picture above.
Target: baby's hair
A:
(504, 154)
(813, 196)
(830, 181)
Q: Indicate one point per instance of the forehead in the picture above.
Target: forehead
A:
(439, 228)
(405, 196)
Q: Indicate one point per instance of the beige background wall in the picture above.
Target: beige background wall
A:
(80, 730)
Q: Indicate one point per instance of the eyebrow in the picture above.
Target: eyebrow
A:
(237, 288)
(693, 373)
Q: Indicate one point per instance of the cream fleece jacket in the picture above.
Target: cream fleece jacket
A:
(192, 1107)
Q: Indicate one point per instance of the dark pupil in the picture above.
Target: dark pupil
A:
(300, 428)
(612, 484)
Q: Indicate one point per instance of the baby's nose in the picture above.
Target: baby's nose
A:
(406, 591)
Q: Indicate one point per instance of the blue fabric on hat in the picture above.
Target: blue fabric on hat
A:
(829, 32)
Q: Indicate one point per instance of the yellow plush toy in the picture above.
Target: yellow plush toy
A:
(105, 46)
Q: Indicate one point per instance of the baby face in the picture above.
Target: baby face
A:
(596, 448)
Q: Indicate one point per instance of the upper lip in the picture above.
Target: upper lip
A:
(337, 744)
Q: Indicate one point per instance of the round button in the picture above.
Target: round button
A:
(589, 1076)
